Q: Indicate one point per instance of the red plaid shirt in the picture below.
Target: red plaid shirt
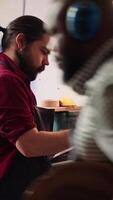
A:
(16, 110)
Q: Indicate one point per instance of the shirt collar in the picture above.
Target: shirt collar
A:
(14, 67)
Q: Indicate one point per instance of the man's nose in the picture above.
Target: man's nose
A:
(46, 61)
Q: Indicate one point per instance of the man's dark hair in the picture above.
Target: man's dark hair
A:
(32, 27)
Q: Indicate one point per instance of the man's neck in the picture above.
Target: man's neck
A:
(11, 54)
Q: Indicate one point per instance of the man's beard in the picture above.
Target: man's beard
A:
(26, 67)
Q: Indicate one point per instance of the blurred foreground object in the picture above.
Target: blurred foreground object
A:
(84, 30)
(79, 180)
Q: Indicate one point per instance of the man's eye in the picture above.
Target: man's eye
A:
(43, 51)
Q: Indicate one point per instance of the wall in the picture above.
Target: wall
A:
(48, 85)
(10, 9)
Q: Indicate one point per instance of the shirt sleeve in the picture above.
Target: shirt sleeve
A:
(16, 115)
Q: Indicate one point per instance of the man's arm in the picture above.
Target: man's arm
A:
(42, 143)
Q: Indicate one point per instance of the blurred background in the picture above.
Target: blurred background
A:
(49, 84)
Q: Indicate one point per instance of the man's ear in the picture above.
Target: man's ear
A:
(20, 41)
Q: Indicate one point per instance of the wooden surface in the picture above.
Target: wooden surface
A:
(63, 109)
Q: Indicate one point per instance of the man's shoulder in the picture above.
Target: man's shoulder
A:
(8, 77)
(6, 73)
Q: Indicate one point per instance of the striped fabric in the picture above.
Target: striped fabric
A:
(93, 119)
(86, 72)
(84, 138)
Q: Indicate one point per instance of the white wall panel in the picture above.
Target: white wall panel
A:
(9, 9)
(38, 8)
